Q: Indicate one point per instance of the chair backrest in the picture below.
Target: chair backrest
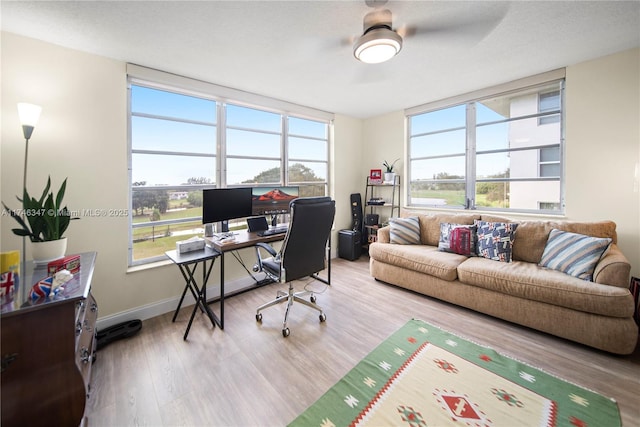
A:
(304, 248)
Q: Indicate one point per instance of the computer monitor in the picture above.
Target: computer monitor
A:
(273, 200)
(223, 204)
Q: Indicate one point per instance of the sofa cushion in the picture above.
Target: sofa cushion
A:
(404, 231)
(420, 258)
(430, 225)
(529, 281)
(495, 240)
(574, 254)
(531, 236)
(458, 238)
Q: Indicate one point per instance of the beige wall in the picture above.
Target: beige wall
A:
(347, 174)
(603, 145)
(82, 135)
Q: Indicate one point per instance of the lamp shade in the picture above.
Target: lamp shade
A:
(377, 45)
(29, 115)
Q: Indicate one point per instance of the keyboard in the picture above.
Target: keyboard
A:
(273, 231)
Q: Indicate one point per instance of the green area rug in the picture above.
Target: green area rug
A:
(424, 376)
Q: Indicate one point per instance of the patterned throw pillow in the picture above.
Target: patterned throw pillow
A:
(405, 231)
(574, 254)
(458, 238)
(495, 240)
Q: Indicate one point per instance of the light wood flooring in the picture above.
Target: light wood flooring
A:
(250, 375)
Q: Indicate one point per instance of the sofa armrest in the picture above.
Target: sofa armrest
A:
(384, 234)
(613, 269)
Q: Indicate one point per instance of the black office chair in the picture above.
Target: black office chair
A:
(303, 253)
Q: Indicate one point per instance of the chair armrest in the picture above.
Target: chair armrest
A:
(613, 268)
(383, 234)
(267, 248)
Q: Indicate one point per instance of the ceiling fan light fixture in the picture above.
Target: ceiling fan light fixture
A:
(377, 45)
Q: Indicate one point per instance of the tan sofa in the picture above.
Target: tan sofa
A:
(597, 313)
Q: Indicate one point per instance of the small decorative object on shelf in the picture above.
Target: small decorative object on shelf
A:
(71, 263)
(389, 175)
(10, 271)
(377, 201)
(50, 286)
(375, 176)
(389, 167)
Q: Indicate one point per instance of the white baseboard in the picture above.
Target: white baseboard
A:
(168, 305)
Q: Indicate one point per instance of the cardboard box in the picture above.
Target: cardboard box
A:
(71, 263)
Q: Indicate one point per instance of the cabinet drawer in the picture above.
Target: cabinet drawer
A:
(85, 338)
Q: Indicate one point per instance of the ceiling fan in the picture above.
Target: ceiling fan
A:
(378, 42)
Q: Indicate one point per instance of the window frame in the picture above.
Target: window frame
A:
(471, 154)
(153, 79)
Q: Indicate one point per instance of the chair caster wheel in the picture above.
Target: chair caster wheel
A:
(285, 332)
(259, 317)
(323, 317)
(313, 299)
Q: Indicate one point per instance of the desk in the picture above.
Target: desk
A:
(189, 261)
(188, 264)
(245, 239)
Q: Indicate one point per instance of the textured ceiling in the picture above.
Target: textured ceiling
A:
(301, 51)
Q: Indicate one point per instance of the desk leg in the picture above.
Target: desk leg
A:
(189, 282)
(222, 291)
(197, 296)
(201, 296)
(203, 299)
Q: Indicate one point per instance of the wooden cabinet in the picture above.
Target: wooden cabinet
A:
(47, 351)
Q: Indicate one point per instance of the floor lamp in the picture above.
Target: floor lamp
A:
(29, 115)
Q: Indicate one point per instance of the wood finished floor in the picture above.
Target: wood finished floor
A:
(249, 375)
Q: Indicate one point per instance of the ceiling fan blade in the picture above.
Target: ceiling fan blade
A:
(348, 41)
(470, 26)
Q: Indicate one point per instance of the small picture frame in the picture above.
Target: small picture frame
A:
(375, 176)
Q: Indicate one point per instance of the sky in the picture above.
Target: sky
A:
(255, 133)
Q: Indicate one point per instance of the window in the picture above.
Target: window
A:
(549, 162)
(549, 106)
(183, 141)
(494, 152)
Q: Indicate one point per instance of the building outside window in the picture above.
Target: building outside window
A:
(495, 152)
(182, 142)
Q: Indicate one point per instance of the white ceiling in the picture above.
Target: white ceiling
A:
(301, 51)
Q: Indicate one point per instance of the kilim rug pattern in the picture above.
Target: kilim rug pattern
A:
(422, 376)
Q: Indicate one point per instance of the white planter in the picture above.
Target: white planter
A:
(389, 177)
(42, 252)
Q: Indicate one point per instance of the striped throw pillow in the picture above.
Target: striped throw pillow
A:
(574, 254)
(405, 231)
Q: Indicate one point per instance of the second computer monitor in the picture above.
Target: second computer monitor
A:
(273, 200)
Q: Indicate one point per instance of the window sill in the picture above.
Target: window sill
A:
(560, 216)
(148, 266)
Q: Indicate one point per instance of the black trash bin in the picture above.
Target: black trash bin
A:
(349, 244)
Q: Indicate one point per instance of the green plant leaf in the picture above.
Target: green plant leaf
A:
(45, 220)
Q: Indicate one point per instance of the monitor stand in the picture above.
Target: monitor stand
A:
(224, 226)
(274, 220)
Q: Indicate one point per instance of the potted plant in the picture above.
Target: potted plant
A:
(389, 175)
(46, 222)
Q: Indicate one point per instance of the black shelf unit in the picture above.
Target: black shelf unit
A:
(390, 192)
